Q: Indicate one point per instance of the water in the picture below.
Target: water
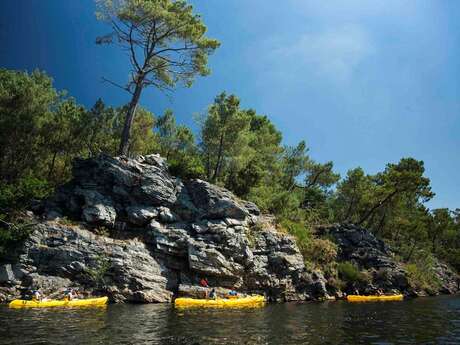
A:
(420, 321)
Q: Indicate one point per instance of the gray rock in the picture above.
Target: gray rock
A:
(97, 209)
(207, 260)
(6, 273)
(141, 215)
(214, 202)
(165, 215)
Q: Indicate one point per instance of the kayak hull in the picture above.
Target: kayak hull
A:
(94, 302)
(360, 298)
(244, 302)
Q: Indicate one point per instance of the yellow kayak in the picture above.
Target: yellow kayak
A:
(244, 302)
(376, 298)
(95, 302)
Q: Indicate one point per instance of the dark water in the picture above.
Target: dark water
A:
(420, 321)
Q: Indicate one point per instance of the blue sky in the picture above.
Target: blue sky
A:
(363, 82)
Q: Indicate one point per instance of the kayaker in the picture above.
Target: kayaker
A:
(233, 293)
(36, 295)
(212, 294)
(69, 294)
(204, 282)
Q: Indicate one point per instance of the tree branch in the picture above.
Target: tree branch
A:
(105, 80)
(133, 53)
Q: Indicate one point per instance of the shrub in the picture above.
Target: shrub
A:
(18, 195)
(97, 273)
(322, 251)
(351, 274)
(12, 232)
(102, 231)
(317, 252)
(301, 233)
(421, 273)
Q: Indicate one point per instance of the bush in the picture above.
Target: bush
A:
(17, 196)
(322, 251)
(301, 233)
(96, 274)
(12, 233)
(351, 274)
(421, 273)
(317, 252)
(452, 257)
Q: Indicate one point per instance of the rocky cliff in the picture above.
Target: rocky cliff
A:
(127, 228)
(384, 272)
(130, 229)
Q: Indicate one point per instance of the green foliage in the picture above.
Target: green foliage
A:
(102, 231)
(224, 136)
(19, 195)
(97, 273)
(258, 159)
(301, 234)
(26, 102)
(177, 145)
(13, 230)
(322, 251)
(421, 274)
(349, 273)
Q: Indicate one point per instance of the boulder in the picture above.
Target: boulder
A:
(141, 215)
(214, 202)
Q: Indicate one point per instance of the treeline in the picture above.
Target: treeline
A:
(42, 130)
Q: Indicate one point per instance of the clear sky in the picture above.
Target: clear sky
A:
(363, 82)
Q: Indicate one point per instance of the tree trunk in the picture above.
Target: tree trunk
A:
(409, 256)
(381, 224)
(376, 206)
(433, 242)
(53, 162)
(350, 208)
(219, 157)
(124, 143)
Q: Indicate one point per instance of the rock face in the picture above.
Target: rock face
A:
(156, 235)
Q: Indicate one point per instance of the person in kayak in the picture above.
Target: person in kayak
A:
(69, 294)
(212, 294)
(233, 293)
(36, 295)
(204, 282)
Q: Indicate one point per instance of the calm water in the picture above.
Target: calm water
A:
(421, 321)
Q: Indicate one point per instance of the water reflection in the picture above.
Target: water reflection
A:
(422, 321)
